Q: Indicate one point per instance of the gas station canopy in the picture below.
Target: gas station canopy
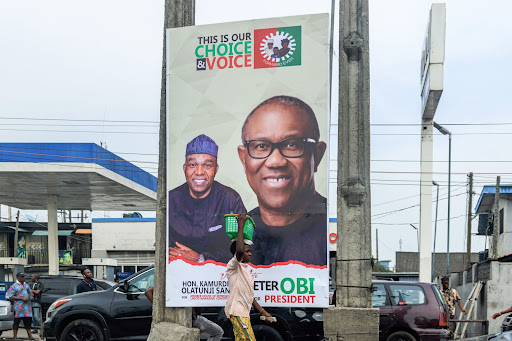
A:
(82, 176)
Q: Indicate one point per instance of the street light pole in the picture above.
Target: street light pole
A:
(435, 231)
(445, 131)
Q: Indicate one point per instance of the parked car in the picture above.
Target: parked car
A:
(507, 323)
(58, 286)
(410, 311)
(124, 312)
(6, 316)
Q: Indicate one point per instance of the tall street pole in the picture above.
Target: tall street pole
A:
(496, 220)
(427, 152)
(470, 206)
(353, 318)
(435, 233)
(449, 201)
(168, 323)
(445, 131)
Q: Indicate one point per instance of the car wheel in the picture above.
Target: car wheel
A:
(401, 336)
(266, 333)
(82, 330)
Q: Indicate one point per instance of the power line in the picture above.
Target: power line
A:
(83, 131)
(74, 120)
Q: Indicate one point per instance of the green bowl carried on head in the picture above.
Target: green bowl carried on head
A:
(232, 227)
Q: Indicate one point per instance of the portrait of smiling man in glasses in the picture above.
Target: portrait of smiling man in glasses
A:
(280, 153)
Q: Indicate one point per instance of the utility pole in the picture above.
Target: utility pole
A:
(377, 247)
(354, 269)
(16, 234)
(470, 205)
(168, 323)
(496, 220)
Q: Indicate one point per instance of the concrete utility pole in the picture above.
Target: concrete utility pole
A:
(377, 247)
(470, 205)
(168, 323)
(353, 318)
(16, 234)
(496, 220)
(427, 155)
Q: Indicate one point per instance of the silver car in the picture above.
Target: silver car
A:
(6, 316)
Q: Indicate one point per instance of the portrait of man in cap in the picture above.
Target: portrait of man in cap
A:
(196, 208)
(280, 153)
(269, 49)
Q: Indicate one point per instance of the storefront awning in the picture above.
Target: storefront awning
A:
(45, 233)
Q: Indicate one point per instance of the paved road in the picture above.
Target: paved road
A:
(22, 335)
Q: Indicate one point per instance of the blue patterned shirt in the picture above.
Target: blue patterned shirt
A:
(19, 291)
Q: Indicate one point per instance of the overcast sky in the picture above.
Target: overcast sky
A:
(101, 61)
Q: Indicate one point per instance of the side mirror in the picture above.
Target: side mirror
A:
(125, 286)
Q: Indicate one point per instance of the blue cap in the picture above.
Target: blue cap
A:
(285, 40)
(202, 144)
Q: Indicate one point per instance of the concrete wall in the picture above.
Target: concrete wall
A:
(495, 296)
(123, 236)
(505, 239)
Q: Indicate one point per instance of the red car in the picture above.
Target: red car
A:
(410, 311)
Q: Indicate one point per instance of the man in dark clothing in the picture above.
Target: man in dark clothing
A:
(87, 284)
(37, 290)
(281, 152)
(196, 208)
(288, 242)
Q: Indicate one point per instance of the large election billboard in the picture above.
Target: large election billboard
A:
(247, 131)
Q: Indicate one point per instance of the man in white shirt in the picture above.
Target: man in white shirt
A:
(241, 287)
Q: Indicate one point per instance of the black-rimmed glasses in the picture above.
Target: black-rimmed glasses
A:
(291, 147)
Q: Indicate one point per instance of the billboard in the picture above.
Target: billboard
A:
(432, 60)
(247, 131)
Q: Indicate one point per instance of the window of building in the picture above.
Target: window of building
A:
(502, 214)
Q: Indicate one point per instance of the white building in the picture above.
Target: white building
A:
(130, 241)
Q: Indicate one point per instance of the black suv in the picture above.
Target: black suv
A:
(124, 312)
(56, 287)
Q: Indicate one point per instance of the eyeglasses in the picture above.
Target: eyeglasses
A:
(291, 148)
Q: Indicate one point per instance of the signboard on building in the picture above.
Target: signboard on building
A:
(247, 130)
(432, 60)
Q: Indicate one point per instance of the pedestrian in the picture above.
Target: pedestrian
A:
(19, 294)
(206, 327)
(451, 296)
(506, 311)
(37, 291)
(87, 284)
(241, 287)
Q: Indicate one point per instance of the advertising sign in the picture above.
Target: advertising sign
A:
(247, 131)
(432, 60)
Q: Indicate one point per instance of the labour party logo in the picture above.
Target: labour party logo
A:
(277, 47)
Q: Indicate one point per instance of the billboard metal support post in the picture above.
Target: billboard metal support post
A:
(354, 270)
(168, 323)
